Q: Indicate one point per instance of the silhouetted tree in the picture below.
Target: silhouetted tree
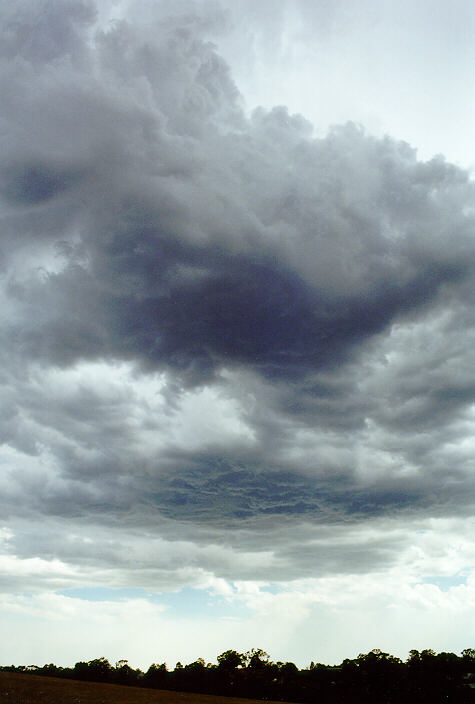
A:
(230, 660)
(373, 678)
(98, 670)
(157, 676)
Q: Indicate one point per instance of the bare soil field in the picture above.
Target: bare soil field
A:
(16, 688)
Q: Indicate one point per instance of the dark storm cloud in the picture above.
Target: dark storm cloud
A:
(168, 301)
(32, 184)
(146, 220)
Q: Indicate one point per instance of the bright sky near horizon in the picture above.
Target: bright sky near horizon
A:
(237, 259)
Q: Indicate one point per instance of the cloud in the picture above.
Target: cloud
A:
(374, 609)
(230, 349)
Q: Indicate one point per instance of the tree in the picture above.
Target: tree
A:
(230, 660)
(124, 674)
(97, 670)
(256, 658)
(157, 676)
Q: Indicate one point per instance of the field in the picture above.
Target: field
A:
(16, 688)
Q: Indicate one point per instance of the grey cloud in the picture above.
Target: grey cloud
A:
(41, 32)
(171, 562)
(146, 220)
(198, 306)
(32, 184)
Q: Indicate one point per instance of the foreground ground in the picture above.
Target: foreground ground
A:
(16, 688)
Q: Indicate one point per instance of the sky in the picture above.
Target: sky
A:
(237, 380)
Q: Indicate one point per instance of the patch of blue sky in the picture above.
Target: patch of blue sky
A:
(445, 583)
(186, 603)
(200, 602)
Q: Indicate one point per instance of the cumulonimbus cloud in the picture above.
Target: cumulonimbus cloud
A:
(315, 292)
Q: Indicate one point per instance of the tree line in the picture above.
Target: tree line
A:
(374, 678)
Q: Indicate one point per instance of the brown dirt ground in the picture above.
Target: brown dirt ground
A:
(16, 688)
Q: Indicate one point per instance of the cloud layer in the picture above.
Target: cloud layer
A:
(230, 349)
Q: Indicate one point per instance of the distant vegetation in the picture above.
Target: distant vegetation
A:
(375, 677)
